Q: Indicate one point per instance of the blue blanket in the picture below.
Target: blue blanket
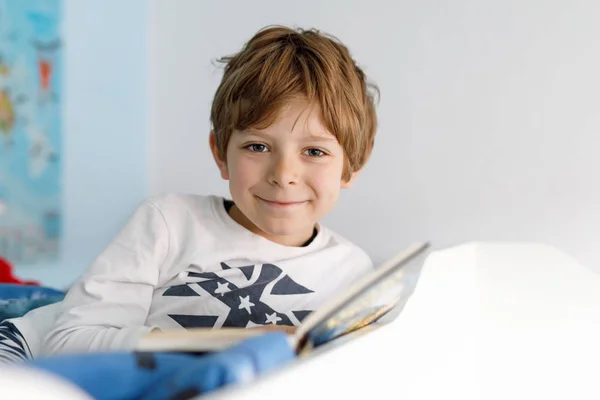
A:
(153, 376)
(134, 375)
(17, 300)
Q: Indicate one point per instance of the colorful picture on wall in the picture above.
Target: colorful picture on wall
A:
(30, 130)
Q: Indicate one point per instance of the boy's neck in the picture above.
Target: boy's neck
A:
(296, 241)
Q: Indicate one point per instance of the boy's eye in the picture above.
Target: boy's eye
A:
(314, 153)
(257, 148)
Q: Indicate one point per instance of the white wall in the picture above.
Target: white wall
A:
(104, 129)
(488, 118)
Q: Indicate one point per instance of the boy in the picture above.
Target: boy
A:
(293, 122)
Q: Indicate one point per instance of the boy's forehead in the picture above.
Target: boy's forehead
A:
(297, 118)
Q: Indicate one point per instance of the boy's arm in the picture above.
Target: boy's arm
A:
(107, 308)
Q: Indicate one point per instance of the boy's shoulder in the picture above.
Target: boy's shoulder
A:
(182, 210)
(182, 202)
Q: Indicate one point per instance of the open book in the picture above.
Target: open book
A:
(362, 304)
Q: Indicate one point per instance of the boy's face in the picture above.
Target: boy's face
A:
(286, 177)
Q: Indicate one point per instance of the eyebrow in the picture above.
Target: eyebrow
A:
(311, 137)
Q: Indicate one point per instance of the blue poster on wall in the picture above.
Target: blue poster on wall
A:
(30, 130)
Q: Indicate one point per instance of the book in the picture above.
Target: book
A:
(370, 298)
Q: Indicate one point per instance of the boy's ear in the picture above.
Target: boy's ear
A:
(222, 165)
(347, 183)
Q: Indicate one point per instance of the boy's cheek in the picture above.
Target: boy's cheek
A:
(243, 175)
(327, 178)
(248, 169)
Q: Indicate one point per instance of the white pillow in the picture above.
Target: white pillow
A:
(21, 382)
(524, 319)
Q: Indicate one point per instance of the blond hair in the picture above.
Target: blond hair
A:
(279, 64)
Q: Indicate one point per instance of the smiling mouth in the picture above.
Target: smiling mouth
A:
(282, 204)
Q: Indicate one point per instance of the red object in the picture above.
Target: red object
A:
(6, 275)
(45, 74)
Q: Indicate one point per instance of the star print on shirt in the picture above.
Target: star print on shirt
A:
(247, 300)
(273, 318)
(222, 288)
(246, 304)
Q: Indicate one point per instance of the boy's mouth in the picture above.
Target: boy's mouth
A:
(281, 203)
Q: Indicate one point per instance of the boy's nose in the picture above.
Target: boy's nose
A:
(284, 172)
